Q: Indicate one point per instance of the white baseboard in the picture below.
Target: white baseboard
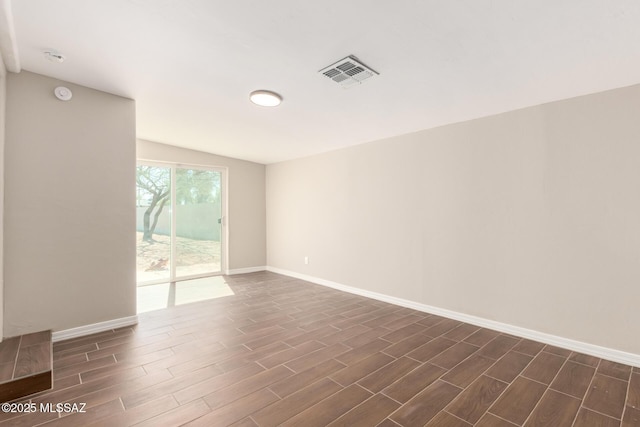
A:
(94, 328)
(578, 346)
(246, 270)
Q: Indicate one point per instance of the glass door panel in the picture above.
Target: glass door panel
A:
(153, 223)
(198, 217)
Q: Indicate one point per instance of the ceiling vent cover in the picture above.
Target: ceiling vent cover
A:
(348, 72)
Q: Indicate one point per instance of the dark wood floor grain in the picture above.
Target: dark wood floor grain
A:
(281, 351)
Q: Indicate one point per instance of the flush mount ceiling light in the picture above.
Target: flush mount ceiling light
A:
(265, 98)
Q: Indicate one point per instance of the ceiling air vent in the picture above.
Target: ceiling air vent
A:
(348, 72)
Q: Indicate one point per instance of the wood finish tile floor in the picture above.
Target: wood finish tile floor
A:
(281, 351)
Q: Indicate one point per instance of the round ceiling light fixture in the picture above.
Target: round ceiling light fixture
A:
(265, 98)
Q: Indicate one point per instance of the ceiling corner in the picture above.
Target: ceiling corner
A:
(8, 44)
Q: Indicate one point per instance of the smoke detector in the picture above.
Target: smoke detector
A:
(348, 72)
(63, 93)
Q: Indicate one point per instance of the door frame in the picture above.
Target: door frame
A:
(224, 228)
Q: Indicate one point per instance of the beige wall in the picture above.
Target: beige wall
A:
(530, 218)
(3, 85)
(69, 206)
(246, 196)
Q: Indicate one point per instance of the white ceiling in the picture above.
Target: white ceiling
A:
(190, 64)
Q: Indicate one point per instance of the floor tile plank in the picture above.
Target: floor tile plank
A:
(293, 404)
(498, 347)
(331, 408)
(178, 416)
(615, 370)
(631, 417)
(518, 400)
(472, 403)
(302, 379)
(237, 410)
(444, 419)
(544, 367)
(481, 337)
(555, 409)
(633, 397)
(414, 382)
(426, 404)
(361, 369)
(407, 345)
(368, 413)
(588, 418)
(232, 392)
(509, 366)
(454, 355)
(466, 372)
(606, 395)
(431, 349)
(573, 379)
(378, 380)
(528, 347)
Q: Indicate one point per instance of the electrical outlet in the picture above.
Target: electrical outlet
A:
(306, 260)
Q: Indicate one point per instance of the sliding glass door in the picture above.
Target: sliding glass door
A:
(153, 218)
(179, 222)
(198, 222)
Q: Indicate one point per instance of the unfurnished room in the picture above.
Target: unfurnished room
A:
(360, 213)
